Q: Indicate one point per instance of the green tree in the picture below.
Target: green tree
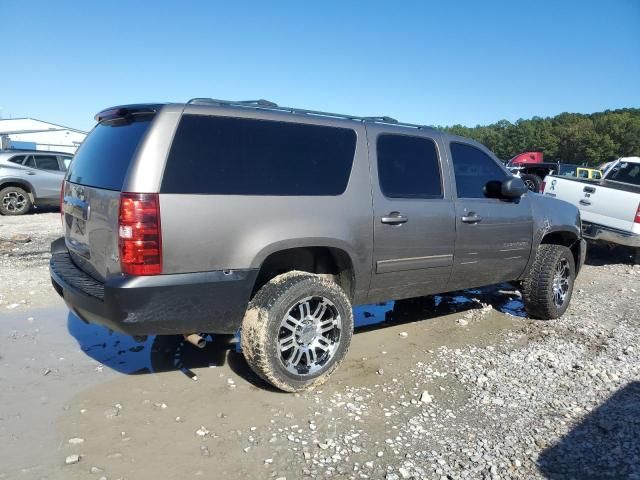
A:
(568, 137)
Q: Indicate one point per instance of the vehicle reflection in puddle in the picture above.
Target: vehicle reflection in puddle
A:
(171, 352)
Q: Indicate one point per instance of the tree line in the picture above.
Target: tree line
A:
(589, 139)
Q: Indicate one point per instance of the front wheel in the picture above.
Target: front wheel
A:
(548, 286)
(297, 330)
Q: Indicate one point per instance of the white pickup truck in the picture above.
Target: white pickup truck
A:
(610, 208)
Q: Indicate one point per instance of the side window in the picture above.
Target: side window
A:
(408, 167)
(47, 162)
(17, 159)
(241, 156)
(66, 161)
(30, 162)
(473, 170)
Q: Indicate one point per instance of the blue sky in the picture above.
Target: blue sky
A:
(468, 62)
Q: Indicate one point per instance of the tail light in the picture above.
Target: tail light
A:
(542, 185)
(62, 201)
(140, 238)
(637, 219)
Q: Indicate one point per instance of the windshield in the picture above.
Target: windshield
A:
(625, 172)
(103, 158)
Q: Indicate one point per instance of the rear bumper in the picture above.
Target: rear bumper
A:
(211, 302)
(594, 231)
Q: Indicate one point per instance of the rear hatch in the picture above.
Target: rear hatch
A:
(91, 192)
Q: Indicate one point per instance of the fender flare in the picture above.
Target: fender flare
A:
(287, 244)
(22, 182)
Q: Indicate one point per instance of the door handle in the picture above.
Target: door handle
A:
(585, 202)
(394, 218)
(589, 189)
(30, 173)
(471, 218)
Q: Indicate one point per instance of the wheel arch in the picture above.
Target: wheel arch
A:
(567, 239)
(329, 258)
(18, 182)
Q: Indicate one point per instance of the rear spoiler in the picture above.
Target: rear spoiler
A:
(125, 111)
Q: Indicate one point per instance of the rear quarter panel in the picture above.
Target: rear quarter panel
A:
(227, 232)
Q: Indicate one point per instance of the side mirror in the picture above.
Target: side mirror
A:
(513, 187)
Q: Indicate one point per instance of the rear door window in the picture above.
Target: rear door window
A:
(408, 167)
(47, 162)
(103, 159)
(239, 156)
(473, 170)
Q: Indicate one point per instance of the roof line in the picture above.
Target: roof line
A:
(263, 104)
(49, 123)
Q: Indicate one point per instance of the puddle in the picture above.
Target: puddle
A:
(514, 307)
(163, 353)
(374, 314)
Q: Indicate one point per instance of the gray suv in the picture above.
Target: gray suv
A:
(216, 216)
(29, 178)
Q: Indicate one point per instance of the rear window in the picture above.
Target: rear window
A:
(567, 170)
(103, 158)
(238, 156)
(626, 172)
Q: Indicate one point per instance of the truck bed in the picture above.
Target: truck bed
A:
(608, 208)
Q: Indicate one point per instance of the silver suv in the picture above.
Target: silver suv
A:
(216, 216)
(29, 178)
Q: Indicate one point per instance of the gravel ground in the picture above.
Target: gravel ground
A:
(459, 386)
(24, 259)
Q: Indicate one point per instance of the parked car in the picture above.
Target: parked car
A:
(215, 216)
(29, 178)
(610, 208)
(531, 167)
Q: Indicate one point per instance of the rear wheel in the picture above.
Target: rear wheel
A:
(548, 287)
(297, 330)
(533, 182)
(14, 201)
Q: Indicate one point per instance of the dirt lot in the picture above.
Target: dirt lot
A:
(458, 386)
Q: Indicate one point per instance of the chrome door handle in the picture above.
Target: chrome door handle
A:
(585, 202)
(471, 218)
(394, 218)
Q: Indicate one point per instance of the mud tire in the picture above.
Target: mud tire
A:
(261, 324)
(537, 287)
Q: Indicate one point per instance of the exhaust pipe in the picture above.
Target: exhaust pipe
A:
(195, 339)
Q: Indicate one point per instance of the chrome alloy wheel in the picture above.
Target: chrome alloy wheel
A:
(530, 184)
(561, 278)
(14, 202)
(309, 335)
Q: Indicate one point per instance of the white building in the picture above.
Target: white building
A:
(32, 134)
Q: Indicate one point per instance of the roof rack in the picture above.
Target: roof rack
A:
(268, 105)
(246, 103)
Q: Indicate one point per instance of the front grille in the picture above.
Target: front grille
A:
(64, 267)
